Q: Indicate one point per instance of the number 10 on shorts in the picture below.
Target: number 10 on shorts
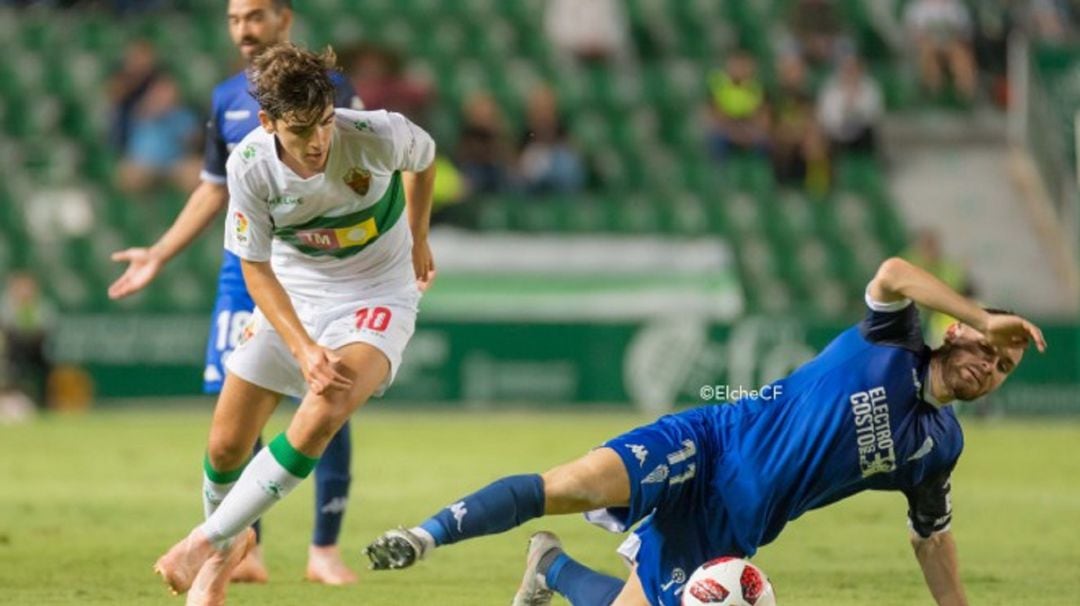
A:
(373, 318)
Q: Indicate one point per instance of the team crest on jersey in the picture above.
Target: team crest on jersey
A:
(241, 225)
(358, 180)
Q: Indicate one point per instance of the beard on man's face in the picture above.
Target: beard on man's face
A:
(961, 373)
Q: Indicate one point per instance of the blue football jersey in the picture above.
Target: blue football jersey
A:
(857, 417)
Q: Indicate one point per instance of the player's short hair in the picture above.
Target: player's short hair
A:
(292, 82)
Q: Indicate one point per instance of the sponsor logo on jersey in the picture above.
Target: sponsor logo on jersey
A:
(344, 237)
(873, 432)
(241, 224)
(248, 152)
(640, 452)
(358, 180)
(285, 201)
(362, 125)
(238, 114)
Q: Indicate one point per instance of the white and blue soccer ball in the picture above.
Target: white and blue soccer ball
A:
(728, 581)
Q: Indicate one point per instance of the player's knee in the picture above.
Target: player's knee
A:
(226, 454)
(568, 490)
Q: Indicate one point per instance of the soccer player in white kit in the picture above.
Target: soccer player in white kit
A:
(329, 212)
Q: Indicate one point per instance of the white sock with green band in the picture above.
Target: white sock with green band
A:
(216, 484)
(269, 477)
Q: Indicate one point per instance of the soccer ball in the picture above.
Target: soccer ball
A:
(728, 581)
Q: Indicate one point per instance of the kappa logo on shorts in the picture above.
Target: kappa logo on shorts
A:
(640, 452)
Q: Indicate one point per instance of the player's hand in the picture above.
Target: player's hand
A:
(321, 369)
(1013, 331)
(143, 267)
(423, 263)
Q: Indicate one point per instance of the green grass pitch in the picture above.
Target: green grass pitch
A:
(87, 503)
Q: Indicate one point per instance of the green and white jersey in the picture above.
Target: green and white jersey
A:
(340, 234)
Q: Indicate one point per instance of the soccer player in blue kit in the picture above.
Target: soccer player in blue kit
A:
(870, 412)
(253, 26)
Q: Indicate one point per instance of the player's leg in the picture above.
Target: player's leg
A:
(291, 456)
(242, 410)
(618, 484)
(594, 481)
(548, 569)
(332, 478)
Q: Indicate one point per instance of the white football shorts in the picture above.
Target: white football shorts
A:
(263, 358)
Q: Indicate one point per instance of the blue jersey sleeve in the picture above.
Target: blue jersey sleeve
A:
(345, 95)
(216, 152)
(930, 505)
(894, 324)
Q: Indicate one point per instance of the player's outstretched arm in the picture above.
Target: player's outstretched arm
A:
(319, 364)
(897, 279)
(940, 567)
(144, 264)
(419, 191)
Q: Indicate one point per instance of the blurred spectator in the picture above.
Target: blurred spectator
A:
(126, 87)
(163, 142)
(926, 253)
(850, 105)
(590, 30)
(799, 153)
(1049, 20)
(483, 149)
(547, 160)
(740, 120)
(379, 76)
(26, 320)
(942, 33)
(816, 31)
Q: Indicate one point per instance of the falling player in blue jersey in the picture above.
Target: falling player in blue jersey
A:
(253, 26)
(870, 412)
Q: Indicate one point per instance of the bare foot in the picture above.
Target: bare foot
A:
(211, 583)
(251, 569)
(179, 566)
(326, 566)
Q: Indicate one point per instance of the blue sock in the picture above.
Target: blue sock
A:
(581, 585)
(257, 524)
(332, 488)
(499, 506)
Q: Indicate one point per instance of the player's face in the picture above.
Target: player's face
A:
(307, 142)
(256, 24)
(971, 367)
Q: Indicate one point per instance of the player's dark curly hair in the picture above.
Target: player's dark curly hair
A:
(292, 82)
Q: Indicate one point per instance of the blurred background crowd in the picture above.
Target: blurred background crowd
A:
(766, 123)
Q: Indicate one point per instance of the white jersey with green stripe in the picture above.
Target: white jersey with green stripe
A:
(340, 234)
